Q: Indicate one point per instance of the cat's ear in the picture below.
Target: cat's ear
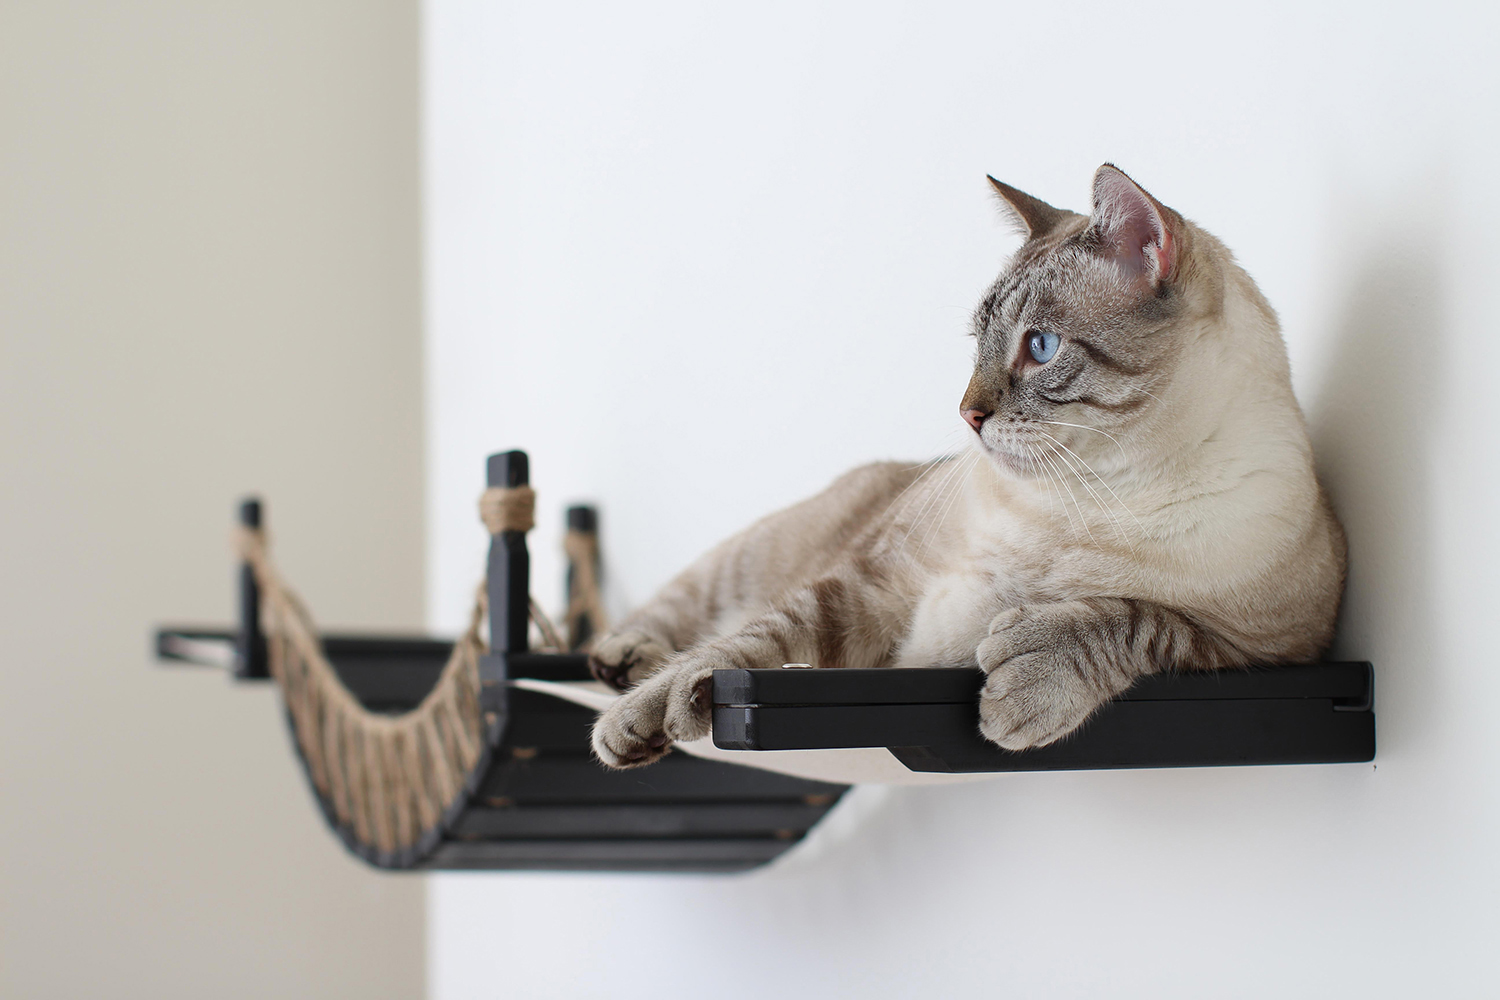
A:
(1134, 229)
(1032, 216)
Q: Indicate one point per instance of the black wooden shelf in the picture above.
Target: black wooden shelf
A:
(539, 799)
(1309, 714)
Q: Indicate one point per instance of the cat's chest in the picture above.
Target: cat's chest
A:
(953, 612)
(995, 557)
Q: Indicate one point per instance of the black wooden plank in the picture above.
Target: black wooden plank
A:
(547, 724)
(708, 854)
(698, 819)
(386, 673)
(455, 863)
(912, 686)
(854, 686)
(387, 682)
(1173, 734)
(420, 648)
(555, 778)
(818, 727)
(1168, 733)
(606, 865)
(392, 673)
(351, 647)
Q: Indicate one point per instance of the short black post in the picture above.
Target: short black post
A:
(509, 564)
(508, 587)
(250, 661)
(583, 520)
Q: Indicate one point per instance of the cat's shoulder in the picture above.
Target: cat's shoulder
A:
(892, 471)
(879, 475)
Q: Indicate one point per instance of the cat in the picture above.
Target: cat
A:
(1140, 496)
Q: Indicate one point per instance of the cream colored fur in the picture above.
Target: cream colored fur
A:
(1143, 501)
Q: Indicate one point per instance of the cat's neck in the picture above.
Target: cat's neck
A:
(1245, 439)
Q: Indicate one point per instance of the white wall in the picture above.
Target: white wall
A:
(698, 262)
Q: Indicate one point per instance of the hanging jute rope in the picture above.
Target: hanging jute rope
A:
(387, 778)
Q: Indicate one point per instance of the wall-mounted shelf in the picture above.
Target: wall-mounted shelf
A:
(929, 719)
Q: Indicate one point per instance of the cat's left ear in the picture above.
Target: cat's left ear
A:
(1033, 217)
(1135, 230)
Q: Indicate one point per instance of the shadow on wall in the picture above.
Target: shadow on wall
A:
(1373, 428)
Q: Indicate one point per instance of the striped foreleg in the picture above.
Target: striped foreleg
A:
(837, 621)
(1050, 666)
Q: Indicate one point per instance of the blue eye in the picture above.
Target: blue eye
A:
(1042, 345)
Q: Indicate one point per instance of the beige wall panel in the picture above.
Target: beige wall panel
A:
(209, 284)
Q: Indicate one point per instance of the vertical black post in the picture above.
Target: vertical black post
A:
(581, 627)
(508, 587)
(250, 662)
(509, 564)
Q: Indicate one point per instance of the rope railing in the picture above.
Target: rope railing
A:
(388, 779)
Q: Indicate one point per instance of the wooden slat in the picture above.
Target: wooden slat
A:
(675, 778)
(1175, 734)
(818, 727)
(546, 723)
(1346, 682)
(701, 819)
(718, 854)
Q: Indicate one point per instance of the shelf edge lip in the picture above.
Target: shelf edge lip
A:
(1365, 705)
(1350, 683)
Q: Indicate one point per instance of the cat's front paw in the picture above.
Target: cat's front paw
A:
(624, 659)
(1037, 689)
(674, 705)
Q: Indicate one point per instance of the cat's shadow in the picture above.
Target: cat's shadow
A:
(1374, 423)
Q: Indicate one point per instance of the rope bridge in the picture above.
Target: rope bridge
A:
(464, 771)
(389, 778)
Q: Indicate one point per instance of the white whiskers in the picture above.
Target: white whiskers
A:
(955, 492)
(1102, 482)
(1093, 494)
(1085, 427)
(1054, 486)
(1068, 488)
(939, 498)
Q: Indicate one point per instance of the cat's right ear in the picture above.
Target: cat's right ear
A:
(1135, 230)
(1032, 216)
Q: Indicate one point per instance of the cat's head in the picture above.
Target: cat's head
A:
(1082, 339)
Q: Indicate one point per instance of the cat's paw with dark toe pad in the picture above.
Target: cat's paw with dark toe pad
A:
(622, 660)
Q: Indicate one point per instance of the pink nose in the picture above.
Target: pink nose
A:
(975, 418)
